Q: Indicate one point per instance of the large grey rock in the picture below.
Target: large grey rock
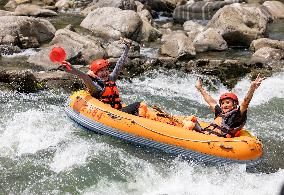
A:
(192, 29)
(116, 48)
(64, 4)
(6, 13)
(265, 42)
(19, 80)
(33, 10)
(240, 24)
(268, 53)
(162, 5)
(25, 31)
(78, 47)
(276, 8)
(209, 40)
(122, 4)
(201, 10)
(114, 23)
(149, 32)
(177, 45)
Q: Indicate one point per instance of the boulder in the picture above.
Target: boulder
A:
(149, 32)
(122, 4)
(265, 42)
(240, 24)
(64, 4)
(79, 49)
(25, 31)
(268, 53)
(209, 40)
(192, 29)
(122, 23)
(177, 45)
(276, 8)
(6, 13)
(33, 10)
(116, 48)
(19, 80)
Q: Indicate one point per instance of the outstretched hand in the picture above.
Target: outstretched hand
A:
(256, 83)
(198, 84)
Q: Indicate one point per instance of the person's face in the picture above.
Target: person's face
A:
(103, 73)
(227, 105)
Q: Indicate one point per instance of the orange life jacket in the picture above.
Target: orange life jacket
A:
(219, 128)
(111, 95)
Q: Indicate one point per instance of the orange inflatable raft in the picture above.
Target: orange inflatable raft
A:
(96, 116)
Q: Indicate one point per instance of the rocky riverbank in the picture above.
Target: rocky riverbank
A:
(184, 40)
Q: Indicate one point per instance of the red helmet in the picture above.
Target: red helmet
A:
(98, 64)
(230, 96)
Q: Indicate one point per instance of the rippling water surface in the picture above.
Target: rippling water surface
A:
(43, 152)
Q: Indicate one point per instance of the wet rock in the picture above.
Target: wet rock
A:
(209, 40)
(11, 5)
(59, 79)
(177, 45)
(64, 4)
(33, 10)
(268, 53)
(149, 33)
(228, 71)
(5, 13)
(276, 8)
(14, 29)
(9, 49)
(80, 48)
(20, 80)
(122, 4)
(116, 48)
(265, 42)
(23, 1)
(241, 24)
(122, 23)
(162, 5)
(197, 10)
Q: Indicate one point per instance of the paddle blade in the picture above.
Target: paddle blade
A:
(57, 54)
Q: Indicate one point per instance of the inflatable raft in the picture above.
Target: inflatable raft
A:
(96, 116)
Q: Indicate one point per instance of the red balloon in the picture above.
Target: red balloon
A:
(57, 54)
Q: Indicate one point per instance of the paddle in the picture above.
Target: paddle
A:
(58, 54)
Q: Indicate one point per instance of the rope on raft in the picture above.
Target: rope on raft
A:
(163, 134)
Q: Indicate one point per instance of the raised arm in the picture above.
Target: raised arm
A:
(93, 88)
(119, 64)
(210, 101)
(254, 85)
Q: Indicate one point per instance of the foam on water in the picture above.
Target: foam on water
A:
(26, 52)
(76, 153)
(33, 130)
(176, 84)
(189, 178)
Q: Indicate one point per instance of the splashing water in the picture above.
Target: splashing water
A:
(43, 152)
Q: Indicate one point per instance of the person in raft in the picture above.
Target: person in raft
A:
(230, 117)
(101, 83)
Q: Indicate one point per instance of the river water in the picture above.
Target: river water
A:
(43, 152)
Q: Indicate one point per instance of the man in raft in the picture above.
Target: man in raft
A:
(230, 117)
(101, 83)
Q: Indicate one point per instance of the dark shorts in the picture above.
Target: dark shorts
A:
(131, 108)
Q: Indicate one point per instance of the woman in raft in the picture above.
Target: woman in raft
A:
(102, 84)
(230, 117)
